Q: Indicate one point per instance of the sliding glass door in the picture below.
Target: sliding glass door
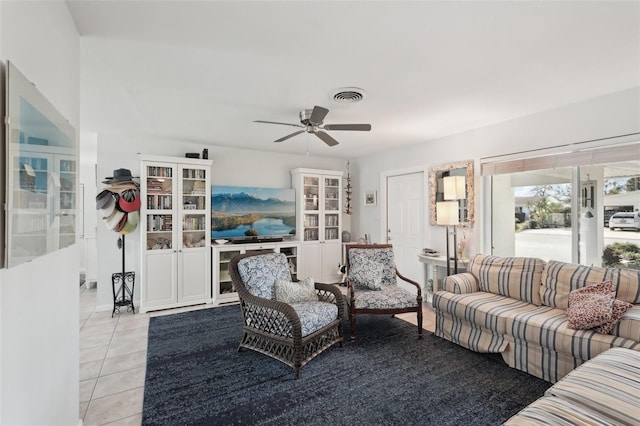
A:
(565, 213)
(532, 214)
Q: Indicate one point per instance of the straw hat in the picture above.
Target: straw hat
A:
(131, 223)
(113, 220)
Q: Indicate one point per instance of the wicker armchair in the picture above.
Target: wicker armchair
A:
(291, 333)
(373, 287)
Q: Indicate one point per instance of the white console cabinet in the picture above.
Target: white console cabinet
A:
(175, 226)
(319, 222)
(222, 254)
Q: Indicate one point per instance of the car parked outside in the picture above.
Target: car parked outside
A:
(625, 220)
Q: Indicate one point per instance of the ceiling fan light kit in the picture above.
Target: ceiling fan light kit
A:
(311, 121)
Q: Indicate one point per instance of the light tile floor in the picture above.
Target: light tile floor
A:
(113, 355)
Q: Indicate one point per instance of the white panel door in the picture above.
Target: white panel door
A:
(194, 282)
(405, 218)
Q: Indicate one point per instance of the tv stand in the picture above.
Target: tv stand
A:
(221, 255)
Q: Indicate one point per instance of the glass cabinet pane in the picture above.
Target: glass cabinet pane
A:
(331, 226)
(311, 226)
(311, 192)
(331, 194)
(292, 259)
(159, 188)
(225, 286)
(193, 230)
(194, 189)
(159, 231)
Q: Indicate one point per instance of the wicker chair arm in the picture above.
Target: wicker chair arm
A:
(330, 293)
(276, 312)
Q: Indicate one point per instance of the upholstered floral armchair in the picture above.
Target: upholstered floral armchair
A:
(292, 322)
(373, 287)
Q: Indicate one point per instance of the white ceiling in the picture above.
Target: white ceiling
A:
(204, 70)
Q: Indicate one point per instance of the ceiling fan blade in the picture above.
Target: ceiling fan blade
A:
(361, 127)
(290, 136)
(326, 138)
(318, 114)
(276, 122)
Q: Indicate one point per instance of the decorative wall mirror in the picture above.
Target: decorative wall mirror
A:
(436, 188)
(41, 176)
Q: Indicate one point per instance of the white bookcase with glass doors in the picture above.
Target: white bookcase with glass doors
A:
(319, 222)
(175, 224)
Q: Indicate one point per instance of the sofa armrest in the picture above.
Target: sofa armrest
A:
(462, 283)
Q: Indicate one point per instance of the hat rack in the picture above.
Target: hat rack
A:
(119, 204)
(124, 282)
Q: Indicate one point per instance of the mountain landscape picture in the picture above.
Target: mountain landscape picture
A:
(241, 212)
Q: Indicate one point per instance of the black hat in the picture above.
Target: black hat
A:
(103, 198)
(120, 175)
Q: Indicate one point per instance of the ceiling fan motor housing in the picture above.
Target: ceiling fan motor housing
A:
(305, 115)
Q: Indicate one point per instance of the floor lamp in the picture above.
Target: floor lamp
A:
(447, 214)
(454, 189)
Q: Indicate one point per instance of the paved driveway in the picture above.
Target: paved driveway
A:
(555, 243)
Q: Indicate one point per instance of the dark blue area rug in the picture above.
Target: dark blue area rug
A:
(386, 377)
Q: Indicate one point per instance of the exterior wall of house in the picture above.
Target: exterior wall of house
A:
(609, 115)
(39, 300)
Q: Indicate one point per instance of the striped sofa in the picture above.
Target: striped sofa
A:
(516, 306)
(602, 391)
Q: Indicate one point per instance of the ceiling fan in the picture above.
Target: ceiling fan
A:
(311, 122)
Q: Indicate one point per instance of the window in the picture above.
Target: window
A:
(560, 206)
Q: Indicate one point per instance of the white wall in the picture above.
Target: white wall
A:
(231, 166)
(88, 162)
(605, 116)
(39, 337)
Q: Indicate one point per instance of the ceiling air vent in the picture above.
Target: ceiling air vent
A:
(348, 95)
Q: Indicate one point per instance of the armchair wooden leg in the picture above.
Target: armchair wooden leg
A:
(352, 323)
(420, 324)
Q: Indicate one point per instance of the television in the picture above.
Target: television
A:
(246, 214)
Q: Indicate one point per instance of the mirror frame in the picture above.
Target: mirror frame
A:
(433, 186)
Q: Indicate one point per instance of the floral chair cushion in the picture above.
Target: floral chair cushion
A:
(259, 273)
(315, 315)
(366, 273)
(383, 256)
(389, 298)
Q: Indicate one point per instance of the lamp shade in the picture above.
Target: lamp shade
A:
(454, 188)
(447, 213)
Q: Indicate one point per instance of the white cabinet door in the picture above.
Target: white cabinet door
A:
(194, 282)
(320, 261)
(160, 279)
(311, 261)
(331, 258)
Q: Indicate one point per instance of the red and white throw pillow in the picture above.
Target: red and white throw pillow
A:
(618, 310)
(591, 306)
